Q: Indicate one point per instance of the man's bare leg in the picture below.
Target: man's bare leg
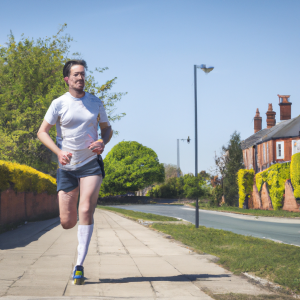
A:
(89, 192)
(68, 208)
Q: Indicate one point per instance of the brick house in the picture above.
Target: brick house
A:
(274, 144)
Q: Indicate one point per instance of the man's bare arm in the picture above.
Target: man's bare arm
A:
(106, 132)
(44, 137)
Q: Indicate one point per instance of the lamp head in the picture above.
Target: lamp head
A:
(188, 140)
(204, 69)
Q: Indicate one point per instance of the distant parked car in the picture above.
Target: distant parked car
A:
(130, 194)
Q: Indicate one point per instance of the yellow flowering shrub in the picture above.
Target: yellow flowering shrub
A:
(245, 183)
(25, 179)
(275, 177)
(260, 178)
(295, 174)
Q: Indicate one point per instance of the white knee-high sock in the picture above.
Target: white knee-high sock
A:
(84, 235)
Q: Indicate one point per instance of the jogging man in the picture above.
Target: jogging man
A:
(76, 115)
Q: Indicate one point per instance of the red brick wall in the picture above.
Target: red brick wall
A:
(259, 160)
(287, 148)
(19, 207)
(248, 158)
(270, 152)
(290, 202)
(263, 201)
(265, 198)
(256, 198)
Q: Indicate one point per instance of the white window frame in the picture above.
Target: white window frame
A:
(267, 152)
(293, 141)
(282, 150)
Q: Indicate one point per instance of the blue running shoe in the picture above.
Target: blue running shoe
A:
(78, 275)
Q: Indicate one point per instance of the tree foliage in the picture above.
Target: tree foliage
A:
(187, 186)
(227, 165)
(171, 171)
(129, 167)
(30, 78)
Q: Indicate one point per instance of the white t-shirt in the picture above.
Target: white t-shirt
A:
(76, 121)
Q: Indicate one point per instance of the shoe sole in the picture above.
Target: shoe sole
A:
(79, 281)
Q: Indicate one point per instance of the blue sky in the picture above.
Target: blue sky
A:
(151, 46)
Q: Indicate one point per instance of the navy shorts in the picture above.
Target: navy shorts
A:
(68, 180)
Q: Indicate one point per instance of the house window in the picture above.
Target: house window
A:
(295, 146)
(267, 152)
(264, 153)
(280, 150)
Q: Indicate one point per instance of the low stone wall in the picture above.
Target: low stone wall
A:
(16, 207)
(265, 198)
(290, 202)
(256, 198)
(262, 200)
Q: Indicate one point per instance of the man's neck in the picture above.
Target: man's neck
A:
(76, 93)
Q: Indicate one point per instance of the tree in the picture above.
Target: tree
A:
(227, 165)
(171, 171)
(129, 167)
(30, 78)
(193, 186)
(187, 186)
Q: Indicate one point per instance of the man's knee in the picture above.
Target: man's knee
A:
(87, 209)
(68, 224)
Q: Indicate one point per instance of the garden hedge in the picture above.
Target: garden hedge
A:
(275, 177)
(245, 183)
(295, 174)
(25, 179)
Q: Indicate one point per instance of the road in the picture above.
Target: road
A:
(278, 229)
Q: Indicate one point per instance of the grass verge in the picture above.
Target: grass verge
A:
(250, 297)
(276, 262)
(138, 215)
(252, 212)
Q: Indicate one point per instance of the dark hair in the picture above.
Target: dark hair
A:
(69, 64)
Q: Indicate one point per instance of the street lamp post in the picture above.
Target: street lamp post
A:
(206, 70)
(178, 154)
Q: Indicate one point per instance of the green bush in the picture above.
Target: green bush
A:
(187, 186)
(245, 182)
(25, 179)
(275, 177)
(295, 174)
(217, 194)
(129, 167)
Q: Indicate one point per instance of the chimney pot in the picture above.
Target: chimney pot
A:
(270, 108)
(257, 121)
(270, 116)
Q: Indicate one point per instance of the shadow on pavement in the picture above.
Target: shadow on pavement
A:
(184, 277)
(26, 234)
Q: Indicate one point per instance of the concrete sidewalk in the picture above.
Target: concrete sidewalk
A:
(125, 261)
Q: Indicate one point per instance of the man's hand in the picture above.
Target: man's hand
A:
(97, 147)
(64, 157)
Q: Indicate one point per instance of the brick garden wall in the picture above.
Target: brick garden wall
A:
(16, 207)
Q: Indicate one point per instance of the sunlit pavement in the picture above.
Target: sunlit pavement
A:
(125, 261)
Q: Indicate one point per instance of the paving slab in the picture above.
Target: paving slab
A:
(126, 260)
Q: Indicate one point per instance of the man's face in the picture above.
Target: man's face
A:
(76, 80)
